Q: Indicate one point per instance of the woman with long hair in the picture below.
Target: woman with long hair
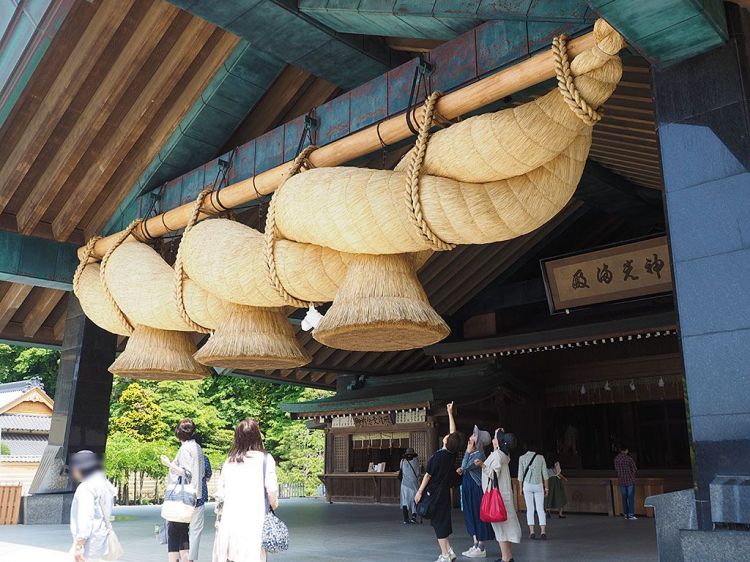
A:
(247, 485)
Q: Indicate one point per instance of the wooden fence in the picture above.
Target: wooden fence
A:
(10, 503)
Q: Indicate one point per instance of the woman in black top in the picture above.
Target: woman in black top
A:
(439, 478)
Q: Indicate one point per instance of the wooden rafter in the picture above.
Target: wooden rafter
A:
(212, 57)
(14, 297)
(142, 111)
(45, 302)
(150, 30)
(59, 96)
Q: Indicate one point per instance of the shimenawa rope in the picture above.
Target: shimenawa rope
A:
(103, 269)
(179, 269)
(271, 232)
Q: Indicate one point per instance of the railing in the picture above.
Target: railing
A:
(291, 490)
(10, 503)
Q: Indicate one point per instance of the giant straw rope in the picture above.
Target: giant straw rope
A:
(488, 178)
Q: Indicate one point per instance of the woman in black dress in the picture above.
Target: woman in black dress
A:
(439, 478)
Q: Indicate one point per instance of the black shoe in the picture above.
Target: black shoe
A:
(532, 536)
(544, 536)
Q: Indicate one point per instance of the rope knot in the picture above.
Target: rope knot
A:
(413, 173)
(566, 83)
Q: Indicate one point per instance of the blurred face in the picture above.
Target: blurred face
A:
(76, 475)
(472, 443)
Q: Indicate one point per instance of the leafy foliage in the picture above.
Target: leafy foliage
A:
(20, 363)
(4, 449)
(144, 414)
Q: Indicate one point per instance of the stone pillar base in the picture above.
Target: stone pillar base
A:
(46, 509)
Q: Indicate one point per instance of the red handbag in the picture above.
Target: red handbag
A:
(492, 509)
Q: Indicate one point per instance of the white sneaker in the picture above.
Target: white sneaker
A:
(443, 558)
(475, 552)
(632, 518)
(452, 555)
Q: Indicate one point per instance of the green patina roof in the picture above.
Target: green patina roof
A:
(390, 391)
(334, 404)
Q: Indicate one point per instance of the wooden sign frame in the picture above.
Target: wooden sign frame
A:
(631, 270)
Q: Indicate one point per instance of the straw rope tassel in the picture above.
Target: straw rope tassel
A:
(414, 172)
(567, 86)
(124, 235)
(179, 269)
(271, 232)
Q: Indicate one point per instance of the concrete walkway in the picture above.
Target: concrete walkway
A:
(361, 533)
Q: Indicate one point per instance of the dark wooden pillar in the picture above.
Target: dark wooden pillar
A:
(704, 133)
(81, 415)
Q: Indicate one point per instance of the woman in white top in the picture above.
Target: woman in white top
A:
(241, 494)
(91, 511)
(532, 472)
(497, 464)
(188, 465)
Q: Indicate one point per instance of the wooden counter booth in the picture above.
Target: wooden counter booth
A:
(370, 423)
(364, 451)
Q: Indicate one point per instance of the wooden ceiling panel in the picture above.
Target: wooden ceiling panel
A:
(143, 33)
(625, 141)
(59, 96)
(193, 81)
(116, 72)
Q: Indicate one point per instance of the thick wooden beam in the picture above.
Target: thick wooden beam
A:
(149, 147)
(188, 45)
(525, 74)
(144, 39)
(10, 303)
(45, 303)
(71, 77)
(36, 261)
(58, 330)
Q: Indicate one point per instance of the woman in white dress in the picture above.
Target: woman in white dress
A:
(241, 495)
(509, 531)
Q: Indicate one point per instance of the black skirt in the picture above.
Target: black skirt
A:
(441, 520)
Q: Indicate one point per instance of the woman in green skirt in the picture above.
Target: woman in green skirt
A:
(556, 499)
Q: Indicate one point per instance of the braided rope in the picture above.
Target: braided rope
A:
(413, 173)
(271, 232)
(103, 269)
(179, 268)
(88, 251)
(567, 86)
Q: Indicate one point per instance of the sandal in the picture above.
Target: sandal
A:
(532, 536)
(544, 536)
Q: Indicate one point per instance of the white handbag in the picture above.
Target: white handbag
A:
(179, 502)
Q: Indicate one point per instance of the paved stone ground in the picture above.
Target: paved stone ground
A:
(361, 533)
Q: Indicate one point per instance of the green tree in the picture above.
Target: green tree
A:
(21, 363)
(138, 415)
